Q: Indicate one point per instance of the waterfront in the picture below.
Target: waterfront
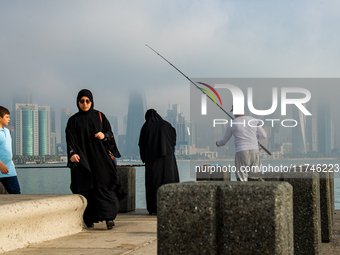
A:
(57, 180)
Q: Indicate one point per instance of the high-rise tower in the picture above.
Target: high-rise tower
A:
(299, 132)
(135, 121)
(26, 129)
(324, 126)
(65, 114)
(44, 120)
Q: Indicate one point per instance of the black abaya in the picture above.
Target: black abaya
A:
(95, 176)
(157, 146)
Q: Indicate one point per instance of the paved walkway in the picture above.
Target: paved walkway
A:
(134, 234)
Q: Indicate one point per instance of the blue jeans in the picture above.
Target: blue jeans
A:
(11, 184)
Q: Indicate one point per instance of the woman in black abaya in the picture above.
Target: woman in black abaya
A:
(93, 173)
(157, 142)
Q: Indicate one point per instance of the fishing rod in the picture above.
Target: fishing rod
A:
(264, 148)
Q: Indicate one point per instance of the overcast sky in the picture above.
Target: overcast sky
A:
(52, 49)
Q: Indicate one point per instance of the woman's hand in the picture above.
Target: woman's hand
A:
(75, 158)
(99, 135)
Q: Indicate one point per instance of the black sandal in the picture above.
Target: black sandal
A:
(110, 224)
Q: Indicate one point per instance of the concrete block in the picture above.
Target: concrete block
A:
(127, 176)
(225, 218)
(306, 210)
(326, 199)
(326, 208)
(256, 218)
(186, 218)
(209, 172)
(44, 218)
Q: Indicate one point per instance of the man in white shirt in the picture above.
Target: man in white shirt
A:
(247, 132)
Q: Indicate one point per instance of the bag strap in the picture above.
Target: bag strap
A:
(100, 116)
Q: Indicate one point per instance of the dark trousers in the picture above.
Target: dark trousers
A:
(11, 184)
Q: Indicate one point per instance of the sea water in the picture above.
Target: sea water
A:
(39, 179)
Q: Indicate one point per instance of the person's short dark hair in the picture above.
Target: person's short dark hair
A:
(3, 111)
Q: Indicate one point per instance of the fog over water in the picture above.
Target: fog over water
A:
(52, 49)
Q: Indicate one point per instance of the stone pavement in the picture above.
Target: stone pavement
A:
(135, 233)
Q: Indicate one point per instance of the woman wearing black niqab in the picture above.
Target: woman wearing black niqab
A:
(93, 173)
(157, 143)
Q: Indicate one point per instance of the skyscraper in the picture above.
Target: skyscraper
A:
(135, 121)
(178, 121)
(311, 128)
(26, 129)
(114, 124)
(44, 120)
(299, 132)
(324, 126)
(65, 114)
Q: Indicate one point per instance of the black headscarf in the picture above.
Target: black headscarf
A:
(152, 116)
(157, 137)
(85, 93)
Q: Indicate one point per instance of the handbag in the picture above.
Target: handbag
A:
(110, 146)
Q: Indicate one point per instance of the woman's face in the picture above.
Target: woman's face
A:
(85, 104)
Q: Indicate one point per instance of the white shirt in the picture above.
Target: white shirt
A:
(246, 133)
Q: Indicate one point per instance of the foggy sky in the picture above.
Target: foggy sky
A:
(52, 49)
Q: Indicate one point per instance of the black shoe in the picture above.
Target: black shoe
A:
(110, 224)
(89, 225)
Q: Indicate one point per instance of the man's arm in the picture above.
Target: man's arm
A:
(3, 168)
(261, 133)
(225, 138)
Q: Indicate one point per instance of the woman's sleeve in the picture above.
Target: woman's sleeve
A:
(108, 136)
(70, 140)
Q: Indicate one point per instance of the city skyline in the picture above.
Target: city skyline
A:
(318, 132)
(51, 51)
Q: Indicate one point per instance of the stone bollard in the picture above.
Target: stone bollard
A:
(212, 173)
(326, 179)
(225, 218)
(306, 210)
(326, 208)
(127, 176)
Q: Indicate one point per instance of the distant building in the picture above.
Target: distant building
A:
(178, 121)
(324, 126)
(53, 143)
(191, 133)
(19, 97)
(312, 128)
(65, 114)
(26, 130)
(44, 120)
(135, 121)
(52, 120)
(114, 124)
(299, 132)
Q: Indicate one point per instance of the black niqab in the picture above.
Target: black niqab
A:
(157, 147)
(157, 137)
